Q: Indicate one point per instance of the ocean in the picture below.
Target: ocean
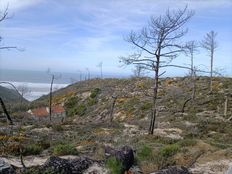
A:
(37, 83)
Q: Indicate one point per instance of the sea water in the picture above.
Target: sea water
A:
(37, 82)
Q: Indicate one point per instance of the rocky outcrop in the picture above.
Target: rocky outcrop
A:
(73, 166)
(6, 168)
(173, 170)
(125, 155)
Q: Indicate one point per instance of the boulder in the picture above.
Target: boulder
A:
(6, 168)
(73, 166)
(173, 170)
(125, 155)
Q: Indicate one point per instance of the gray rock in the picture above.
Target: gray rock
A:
(74, 166)
(173, 170)
(135, 170)
(6, 168)
(125, 155)
(229, 171)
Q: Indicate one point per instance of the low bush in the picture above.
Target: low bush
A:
(144, 153)
(57, 127)
(32, 149)
(114, 165)
(64, 149)
(187, 142)
(95, 92)
(169, 150)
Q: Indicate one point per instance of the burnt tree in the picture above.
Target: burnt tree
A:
(209, 43)
(157, 45)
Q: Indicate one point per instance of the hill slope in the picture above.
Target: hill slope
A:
(201, 134)
(10, 95)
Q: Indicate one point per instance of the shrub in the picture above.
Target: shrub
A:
(91, 101)
(114, 165)
(144, 153)
(95, 92)
(80, 109)
(57, 127)
(32, 149)
(169, 150)
(146, 106)
(165, 156)
(64, 149)
(187, 142)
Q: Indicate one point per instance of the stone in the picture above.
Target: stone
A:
(67, 166)
(173, 170)
(229, 171)
(125, 155)
(6, 168)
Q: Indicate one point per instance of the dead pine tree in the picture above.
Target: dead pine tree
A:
(209, 43)
(53, 77)
(157, 45)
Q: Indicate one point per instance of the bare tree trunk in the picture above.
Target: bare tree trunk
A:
(21, 156)
(226, 106)
(184, 105)
(211, 73)
(155, 90)
(112, 108)
(50, 101)
(194, 85)
(6, 112)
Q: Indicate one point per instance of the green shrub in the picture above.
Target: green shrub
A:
(146, 106)
(64, 149)
(91, 101)
(169, 150)
(80, 109)
(71, 101)
(32, 149)
(95, 92)
(114, 166)
(57, 127)
(187, 142)
(144, 153)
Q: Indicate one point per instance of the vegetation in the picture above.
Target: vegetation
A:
(114, 165)
(64, 149)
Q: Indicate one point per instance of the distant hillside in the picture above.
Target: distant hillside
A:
(94, 97)
(10, 95)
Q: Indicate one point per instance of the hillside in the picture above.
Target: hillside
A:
(10, 95)
(199, 138)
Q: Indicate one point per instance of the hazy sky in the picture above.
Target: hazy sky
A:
(71, 35)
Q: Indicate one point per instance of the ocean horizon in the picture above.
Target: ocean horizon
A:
(38, 82)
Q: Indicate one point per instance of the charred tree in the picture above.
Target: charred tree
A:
(157, 45)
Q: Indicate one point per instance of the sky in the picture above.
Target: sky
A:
(73, 35)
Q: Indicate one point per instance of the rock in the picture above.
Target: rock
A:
(72, 166)
(173, 170)
(229, 171)
(135, 170)
(6, 168)
(96, 169)
(125, 155)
